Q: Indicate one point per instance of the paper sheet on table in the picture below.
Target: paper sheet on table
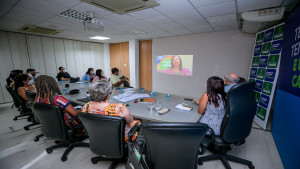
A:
(129, 89)
(127, 97)
(182, 107)
(78, 82)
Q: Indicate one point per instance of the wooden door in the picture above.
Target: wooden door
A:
(125, 68)
(145, 53)
(115, 55)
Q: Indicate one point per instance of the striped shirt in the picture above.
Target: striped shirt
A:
(62, 103)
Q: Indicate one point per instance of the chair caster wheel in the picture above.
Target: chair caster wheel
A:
(49, 151)
(36, 139)
(251, 166)
(200, 162)
(64, 158)
(15, 119)
(26, 128)
(94, 161)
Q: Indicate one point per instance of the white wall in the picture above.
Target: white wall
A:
(45, 54)
(216, 53)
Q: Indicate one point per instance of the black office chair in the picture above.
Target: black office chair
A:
(54, 128)
(172, 145)
(31, 98)
(106, 135)
(236, 125)
(25, 109)
(17, 104)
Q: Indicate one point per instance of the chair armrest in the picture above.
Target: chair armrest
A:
(71, 119)
(134, 129)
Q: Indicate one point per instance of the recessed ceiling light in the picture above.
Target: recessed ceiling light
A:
(99, 38)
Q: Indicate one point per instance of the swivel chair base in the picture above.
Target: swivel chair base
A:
(37, 138)
(21, 115)
(69, 146)
(225, 158)
(29, 125)
(114, 163)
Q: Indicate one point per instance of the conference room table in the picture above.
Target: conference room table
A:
(141, 110)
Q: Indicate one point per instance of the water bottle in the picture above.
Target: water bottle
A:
(143, 89)
(153, 93)
(65, 90)
(168, 96)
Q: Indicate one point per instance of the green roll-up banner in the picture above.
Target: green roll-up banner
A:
(264, 70)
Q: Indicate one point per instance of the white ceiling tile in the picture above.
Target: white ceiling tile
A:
(65, 3)
(202, 3)
(174, 28)
(10, 25)
(116, 18)
(200, 28)
(187, 16)
(97, 12)
(218, 9)
(42, 6)
(222, 19)
(27, 14)
(158, 20)
(249, 5)
(147, 13)
(172, 6)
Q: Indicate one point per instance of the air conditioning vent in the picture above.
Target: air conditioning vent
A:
(124, 6)
(38, 30)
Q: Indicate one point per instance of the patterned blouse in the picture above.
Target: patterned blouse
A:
(113, 109)
(62, 103)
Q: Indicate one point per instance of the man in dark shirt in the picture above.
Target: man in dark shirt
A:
(63, 74)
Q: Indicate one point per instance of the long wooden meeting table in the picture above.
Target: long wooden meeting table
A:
(141, 110)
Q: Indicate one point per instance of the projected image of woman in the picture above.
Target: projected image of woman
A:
(176, 67)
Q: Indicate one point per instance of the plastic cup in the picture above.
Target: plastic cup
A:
(64, 90)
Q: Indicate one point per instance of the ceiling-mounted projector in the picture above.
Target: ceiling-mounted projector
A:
(93, 24)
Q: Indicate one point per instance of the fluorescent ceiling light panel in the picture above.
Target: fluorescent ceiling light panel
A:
(99, 38)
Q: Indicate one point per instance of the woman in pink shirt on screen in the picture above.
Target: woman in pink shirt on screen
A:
(176, 67)
(99, 75)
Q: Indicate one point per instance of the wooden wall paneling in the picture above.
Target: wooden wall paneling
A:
(70, 58)
(115, 55)
(49, 56)
(78, 59)
(6, 64)
(36, 55)
(145, 53)
(60, 55)
(18, 49)
(125, 69)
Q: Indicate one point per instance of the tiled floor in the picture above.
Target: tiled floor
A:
(18, 150)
